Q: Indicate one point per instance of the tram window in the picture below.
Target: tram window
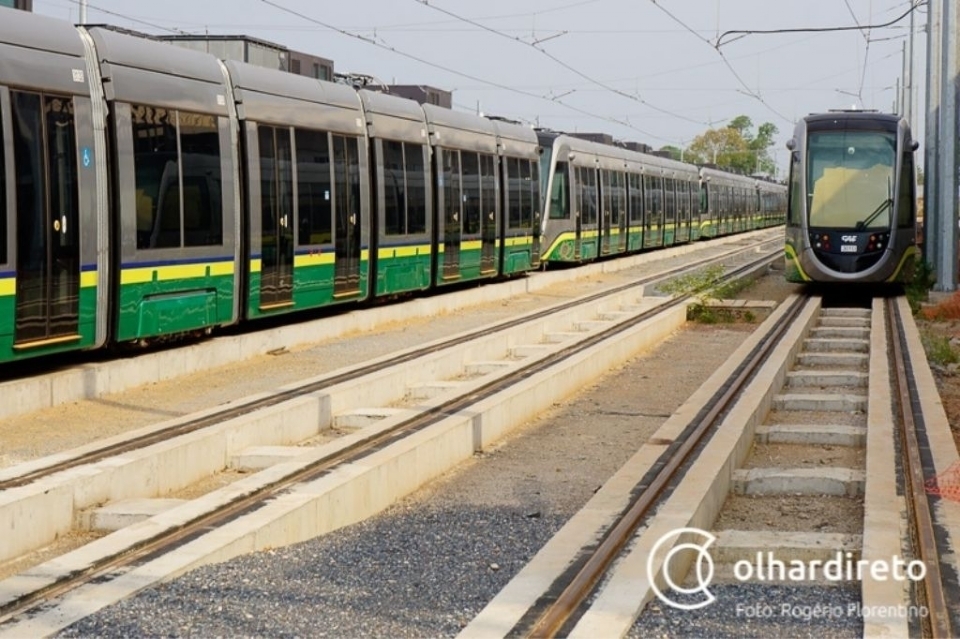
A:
(513, 183)
(200, 165)
(635, 197)
(907, 197)
(470, 170)
(30, 183)
(346, 167)
(559, 193)
(416, 188)
(313, 187)
(606, 189)
(850, 175)
(588, 187)
(617, 197)
(526, 194)
(156, 176)
(683, 199)
(535, 191)
(652, 186)
(273, 193)
(394, 189)
(796, 194)
(450, 171)
(488, 185)
(670, 199)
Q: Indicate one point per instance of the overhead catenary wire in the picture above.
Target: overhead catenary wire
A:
(742, 33)
(456, 72)
(132, 19)
(748, 91)
(562, 63)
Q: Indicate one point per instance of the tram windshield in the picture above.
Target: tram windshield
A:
(850, 179)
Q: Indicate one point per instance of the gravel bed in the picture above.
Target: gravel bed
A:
(426, 566)
(758, 610)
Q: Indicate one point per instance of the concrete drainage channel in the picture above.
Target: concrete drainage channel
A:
(345, 495)
(700, 497)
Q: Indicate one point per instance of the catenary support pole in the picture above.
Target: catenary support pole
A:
(948, 215)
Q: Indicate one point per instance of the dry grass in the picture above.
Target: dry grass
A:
(948, 309)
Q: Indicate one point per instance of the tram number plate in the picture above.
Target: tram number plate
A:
(848, 248)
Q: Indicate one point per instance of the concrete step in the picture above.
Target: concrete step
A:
(429, 390)
(841, 332)
(827, 435)
(823, 378)
(850, 322)
(559, 337)
(799, 481)
(744, 545)
(486, 367)
(834, 360)
(845, 312)
(362, 417)
(524, 351)
(120, 514)
(842, 402)
(256, 458)
(587, 326)
(835, 345)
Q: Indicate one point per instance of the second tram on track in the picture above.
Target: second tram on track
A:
(852, 204)
(605, 200)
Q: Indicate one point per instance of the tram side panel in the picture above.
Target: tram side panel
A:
(303, 159)
(175, 172)
(465, 185)
(519, 222)
(54, 271)
(401, 252)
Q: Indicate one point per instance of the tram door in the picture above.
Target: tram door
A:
(578, 211)
(48, 244)
(620, 209)
(537, 208)
(488, 214)
(346, 169)
(276, 217)
(606, 216)
(452, 198)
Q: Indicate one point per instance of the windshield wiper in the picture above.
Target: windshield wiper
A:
(870, 218)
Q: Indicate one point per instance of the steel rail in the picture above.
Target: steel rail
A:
(193, 425)
(551, 621)
(167, 540)
(937, 623)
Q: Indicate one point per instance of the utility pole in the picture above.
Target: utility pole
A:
(940, 195)
(908, 77)
(83, 11)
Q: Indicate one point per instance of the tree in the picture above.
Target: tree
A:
(735, 147)
(673, 152)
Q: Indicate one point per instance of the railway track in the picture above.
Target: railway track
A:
(436, 413)
(801, 422)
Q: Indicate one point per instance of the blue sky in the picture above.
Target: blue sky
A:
(637, 69)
